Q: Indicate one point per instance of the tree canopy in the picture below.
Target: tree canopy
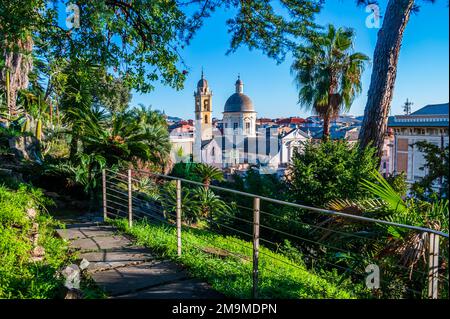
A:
(141, 40)
(328, 73)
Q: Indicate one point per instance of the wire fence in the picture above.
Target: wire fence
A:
(274, 245)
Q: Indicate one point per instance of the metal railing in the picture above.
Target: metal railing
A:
(378, 258)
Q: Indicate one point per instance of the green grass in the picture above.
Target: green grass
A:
(20, 277)
(204, 254)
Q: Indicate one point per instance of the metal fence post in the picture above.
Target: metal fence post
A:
(130, 201)
(255, 246)
(433, 266)
(105, 213)
(179, 217)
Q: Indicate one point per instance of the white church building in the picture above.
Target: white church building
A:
(236, 143)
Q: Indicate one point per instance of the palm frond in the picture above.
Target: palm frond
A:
(385, 192)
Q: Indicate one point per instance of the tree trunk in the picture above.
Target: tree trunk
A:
(326, 128)
(333, 105)
(384, 72)
(73, 146)
(57, 113)
(50, 111)
(18, 65)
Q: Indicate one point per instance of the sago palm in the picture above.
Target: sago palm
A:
(328, 73)
(207, 202)
(122, 138)
(409, 246)
(208, 173)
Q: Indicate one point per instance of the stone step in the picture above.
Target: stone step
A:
(110, 259)
(184, 289)
(72, 233)
(131, 279)
(127, 271)
(101, 243)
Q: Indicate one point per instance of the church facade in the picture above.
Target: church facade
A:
(236, 143)
(239, 113)
(226, 145)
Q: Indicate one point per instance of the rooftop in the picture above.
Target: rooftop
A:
(433, 115)
(432, 109)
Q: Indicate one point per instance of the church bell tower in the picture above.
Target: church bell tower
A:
(203, 109)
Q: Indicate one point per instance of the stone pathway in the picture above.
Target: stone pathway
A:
(124, 270)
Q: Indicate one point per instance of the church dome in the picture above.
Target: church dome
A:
(239, 102)
(202, 83)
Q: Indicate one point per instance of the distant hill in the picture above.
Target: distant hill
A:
(174, 118)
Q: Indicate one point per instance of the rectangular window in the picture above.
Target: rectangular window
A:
(402, 162)
(402, 144)
(235, 126)
(247, 127)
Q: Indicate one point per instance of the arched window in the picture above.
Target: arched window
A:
(206, 118)
(247, 127)
(213, 151)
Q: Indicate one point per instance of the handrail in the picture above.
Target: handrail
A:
(276, 201)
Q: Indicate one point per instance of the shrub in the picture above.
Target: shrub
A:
(398, 183)
(328, 170)
(437, 172)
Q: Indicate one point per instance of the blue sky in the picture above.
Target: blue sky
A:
(423, 70)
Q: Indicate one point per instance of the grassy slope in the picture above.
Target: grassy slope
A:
(19, 276)
(231, 274)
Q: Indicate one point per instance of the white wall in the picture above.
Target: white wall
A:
(415, 157)
(186, 145)
(229, 118)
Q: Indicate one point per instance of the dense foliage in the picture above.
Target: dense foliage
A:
(437, 171)
(329, 170)
(337, 176)
(140, 41)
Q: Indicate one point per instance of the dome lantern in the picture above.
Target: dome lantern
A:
(239, 102)
(239, 85)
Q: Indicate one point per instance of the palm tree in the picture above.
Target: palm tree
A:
(208, 173)
(168, 199)
(328, 73)
(75, 84)
(206, 203)
(16, 65)
(122, 138)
